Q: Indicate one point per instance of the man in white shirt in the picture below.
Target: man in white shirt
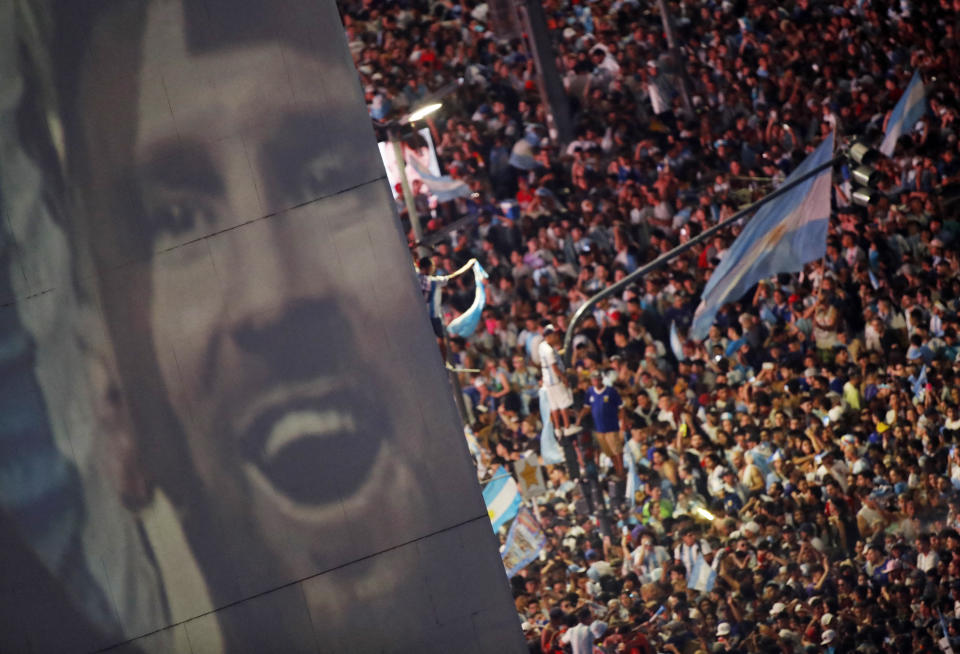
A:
(558, 395)
(580, 638)
(690, 549)
(927, 558)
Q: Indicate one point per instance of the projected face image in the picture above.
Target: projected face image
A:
(267, 359)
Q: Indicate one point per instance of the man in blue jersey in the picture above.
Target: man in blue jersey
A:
(604, 403)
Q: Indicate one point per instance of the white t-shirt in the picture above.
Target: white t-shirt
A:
(548, 357)
(579, 638)
(927, 561)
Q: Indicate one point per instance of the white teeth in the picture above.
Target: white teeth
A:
(298, 424)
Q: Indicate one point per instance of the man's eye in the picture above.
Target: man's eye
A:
(174, 218)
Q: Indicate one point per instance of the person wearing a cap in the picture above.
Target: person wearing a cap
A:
(828, 641)
(725, 636)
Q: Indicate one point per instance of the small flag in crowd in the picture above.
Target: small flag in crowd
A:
(473, 445)
(466, 323)
(529, 476)
(784, 234)
(919, 385)
(502, 497)
(521, 156)
(701, 577)
(675, 344)
(909, 110)
(634, 482)
(524, 542)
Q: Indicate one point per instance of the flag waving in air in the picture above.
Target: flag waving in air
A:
(909, 110)
(466, 323)
(783, 235)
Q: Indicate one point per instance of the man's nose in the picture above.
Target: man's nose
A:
(254, 276)
(277, 302)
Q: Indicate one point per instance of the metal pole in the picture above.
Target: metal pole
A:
(551, 88)
(454, 378)
(667, 257)
(407, 193)
(667, 20)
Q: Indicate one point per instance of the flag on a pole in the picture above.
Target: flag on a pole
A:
(524, 542)
(502, 497)
(783, 235)
(909, 110)
(466, 323)
(701, 577)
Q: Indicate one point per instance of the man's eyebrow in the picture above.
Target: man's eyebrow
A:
(180, 165)
(297, 137)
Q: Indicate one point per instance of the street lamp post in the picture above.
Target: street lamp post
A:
(432, 104)
(405, 189)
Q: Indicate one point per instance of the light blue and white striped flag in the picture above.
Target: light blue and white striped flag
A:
(633, 477)
(782, 237)
(550, 450)
(502, 497)
(702, 577)
(443, 187)
(675, 343)
(466, 323)
(909, 110)
(521, 156)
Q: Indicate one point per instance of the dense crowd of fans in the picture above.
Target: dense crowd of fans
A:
(808, 448)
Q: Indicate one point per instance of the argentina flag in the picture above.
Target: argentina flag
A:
(502, 497)
(550, 449)
(784, 234)
(442, 187)
(909, 110)
(466, 323)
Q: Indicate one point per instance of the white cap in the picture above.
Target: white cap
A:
(723, 629)
(777, 609)
(598, 628)
(826, 619)
(828, 637)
